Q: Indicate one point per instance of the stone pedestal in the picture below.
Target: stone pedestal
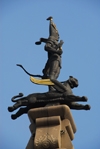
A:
(51, 128)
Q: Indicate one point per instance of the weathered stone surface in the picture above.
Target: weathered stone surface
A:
(54, 128)
(61, 110)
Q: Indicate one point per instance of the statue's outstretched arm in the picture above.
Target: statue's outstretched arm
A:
(41, 40)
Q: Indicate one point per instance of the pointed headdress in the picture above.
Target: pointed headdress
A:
(52, 29)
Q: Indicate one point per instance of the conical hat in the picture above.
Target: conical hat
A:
(52, 29)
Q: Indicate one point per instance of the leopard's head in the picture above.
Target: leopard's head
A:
(73, 82)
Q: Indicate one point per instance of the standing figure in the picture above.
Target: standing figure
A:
(54, 49)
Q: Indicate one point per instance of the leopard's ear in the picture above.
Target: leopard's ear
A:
(70, 76)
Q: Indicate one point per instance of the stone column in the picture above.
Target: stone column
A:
(51, 128)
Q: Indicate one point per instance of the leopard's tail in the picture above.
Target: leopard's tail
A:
(20, 95)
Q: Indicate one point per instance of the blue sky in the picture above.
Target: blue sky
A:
(23, 22)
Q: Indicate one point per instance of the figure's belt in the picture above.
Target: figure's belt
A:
(41, 81)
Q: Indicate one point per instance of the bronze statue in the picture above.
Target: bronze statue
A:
(62, 95)
(60, 92)
(54, 49)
